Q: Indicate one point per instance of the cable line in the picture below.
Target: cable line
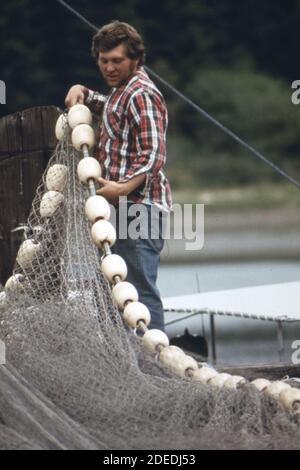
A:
(195, 106)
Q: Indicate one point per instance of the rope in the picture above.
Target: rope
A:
(197, 108)
(82, 18)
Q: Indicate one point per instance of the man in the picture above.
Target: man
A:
(132, 152)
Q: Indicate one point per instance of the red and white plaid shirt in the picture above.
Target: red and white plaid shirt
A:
(133, 137)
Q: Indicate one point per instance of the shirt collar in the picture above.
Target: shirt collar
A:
(139, 71)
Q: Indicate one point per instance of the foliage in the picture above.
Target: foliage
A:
(254, 106)
(235, 59)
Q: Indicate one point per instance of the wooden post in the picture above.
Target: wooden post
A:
(280, 340)
(27, 141)
(213, 338)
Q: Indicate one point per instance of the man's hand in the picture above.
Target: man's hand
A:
(76, 94)
(110, 190)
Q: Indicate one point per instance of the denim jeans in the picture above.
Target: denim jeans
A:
(142, 255)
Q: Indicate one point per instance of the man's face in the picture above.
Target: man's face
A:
(116, 66)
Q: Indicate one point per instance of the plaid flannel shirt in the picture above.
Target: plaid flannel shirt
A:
(133, 137)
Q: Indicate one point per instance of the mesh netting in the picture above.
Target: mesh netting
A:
(77, 378)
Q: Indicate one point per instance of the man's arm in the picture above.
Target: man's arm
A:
(126, 187)
(112, 190)
(82, 94)
(94, 100)
(76, 94)
(148, 120)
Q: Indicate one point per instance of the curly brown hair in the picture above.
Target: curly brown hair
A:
(115, 33)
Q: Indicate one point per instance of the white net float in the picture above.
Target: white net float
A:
(37, 231)
(153, 339)
(124, 292)
(135, 312)
(204, 374)
(275, 388)
(97, 207)
(83, 134)
(261, 384)
(27, 251)
(219, 380)
(103, 231)
(88, 168)
(234, 381)
(114, 265)
(14, 284)
(290, 398)
(61, 126)
(169, 355)
(50, 202)
(79, 114)
(56, 177)
(176, 349)
(183, 365)
(3, 300)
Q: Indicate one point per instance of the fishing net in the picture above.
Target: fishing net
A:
(76, 377)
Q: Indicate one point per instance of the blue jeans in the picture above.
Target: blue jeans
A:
(142, 256)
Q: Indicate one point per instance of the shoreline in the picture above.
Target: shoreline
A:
(248, 234)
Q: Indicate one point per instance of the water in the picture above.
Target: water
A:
(239, 341)
(182, 279)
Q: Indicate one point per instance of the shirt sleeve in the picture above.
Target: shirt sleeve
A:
(94, 100)
(148, 121)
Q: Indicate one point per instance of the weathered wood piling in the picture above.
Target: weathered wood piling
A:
(27, 140)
